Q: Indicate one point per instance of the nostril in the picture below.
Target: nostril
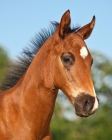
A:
(87, 105)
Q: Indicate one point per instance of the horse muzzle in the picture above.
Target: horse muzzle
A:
(85, 105)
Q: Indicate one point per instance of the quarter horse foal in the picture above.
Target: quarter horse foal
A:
(58, 59)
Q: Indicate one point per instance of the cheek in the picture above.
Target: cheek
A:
(63, 77)
(69, 76)
(59, 73)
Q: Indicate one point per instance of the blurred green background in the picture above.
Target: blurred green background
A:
(65, 125)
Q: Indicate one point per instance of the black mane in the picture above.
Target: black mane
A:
(19, 67)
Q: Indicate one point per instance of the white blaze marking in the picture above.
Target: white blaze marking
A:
(94, 91)
(96, 101)
(95, 104)
(83, 52)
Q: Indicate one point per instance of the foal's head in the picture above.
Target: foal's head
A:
(72, 65)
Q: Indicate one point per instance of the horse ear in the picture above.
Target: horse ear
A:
(64, 24)
(86, 30)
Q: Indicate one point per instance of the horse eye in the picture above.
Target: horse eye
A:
(66, 59)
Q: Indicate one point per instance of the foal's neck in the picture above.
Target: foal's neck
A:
(38, 101)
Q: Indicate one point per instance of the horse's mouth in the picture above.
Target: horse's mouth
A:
(84, 114)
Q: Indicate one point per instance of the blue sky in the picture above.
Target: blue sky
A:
(21, 20)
